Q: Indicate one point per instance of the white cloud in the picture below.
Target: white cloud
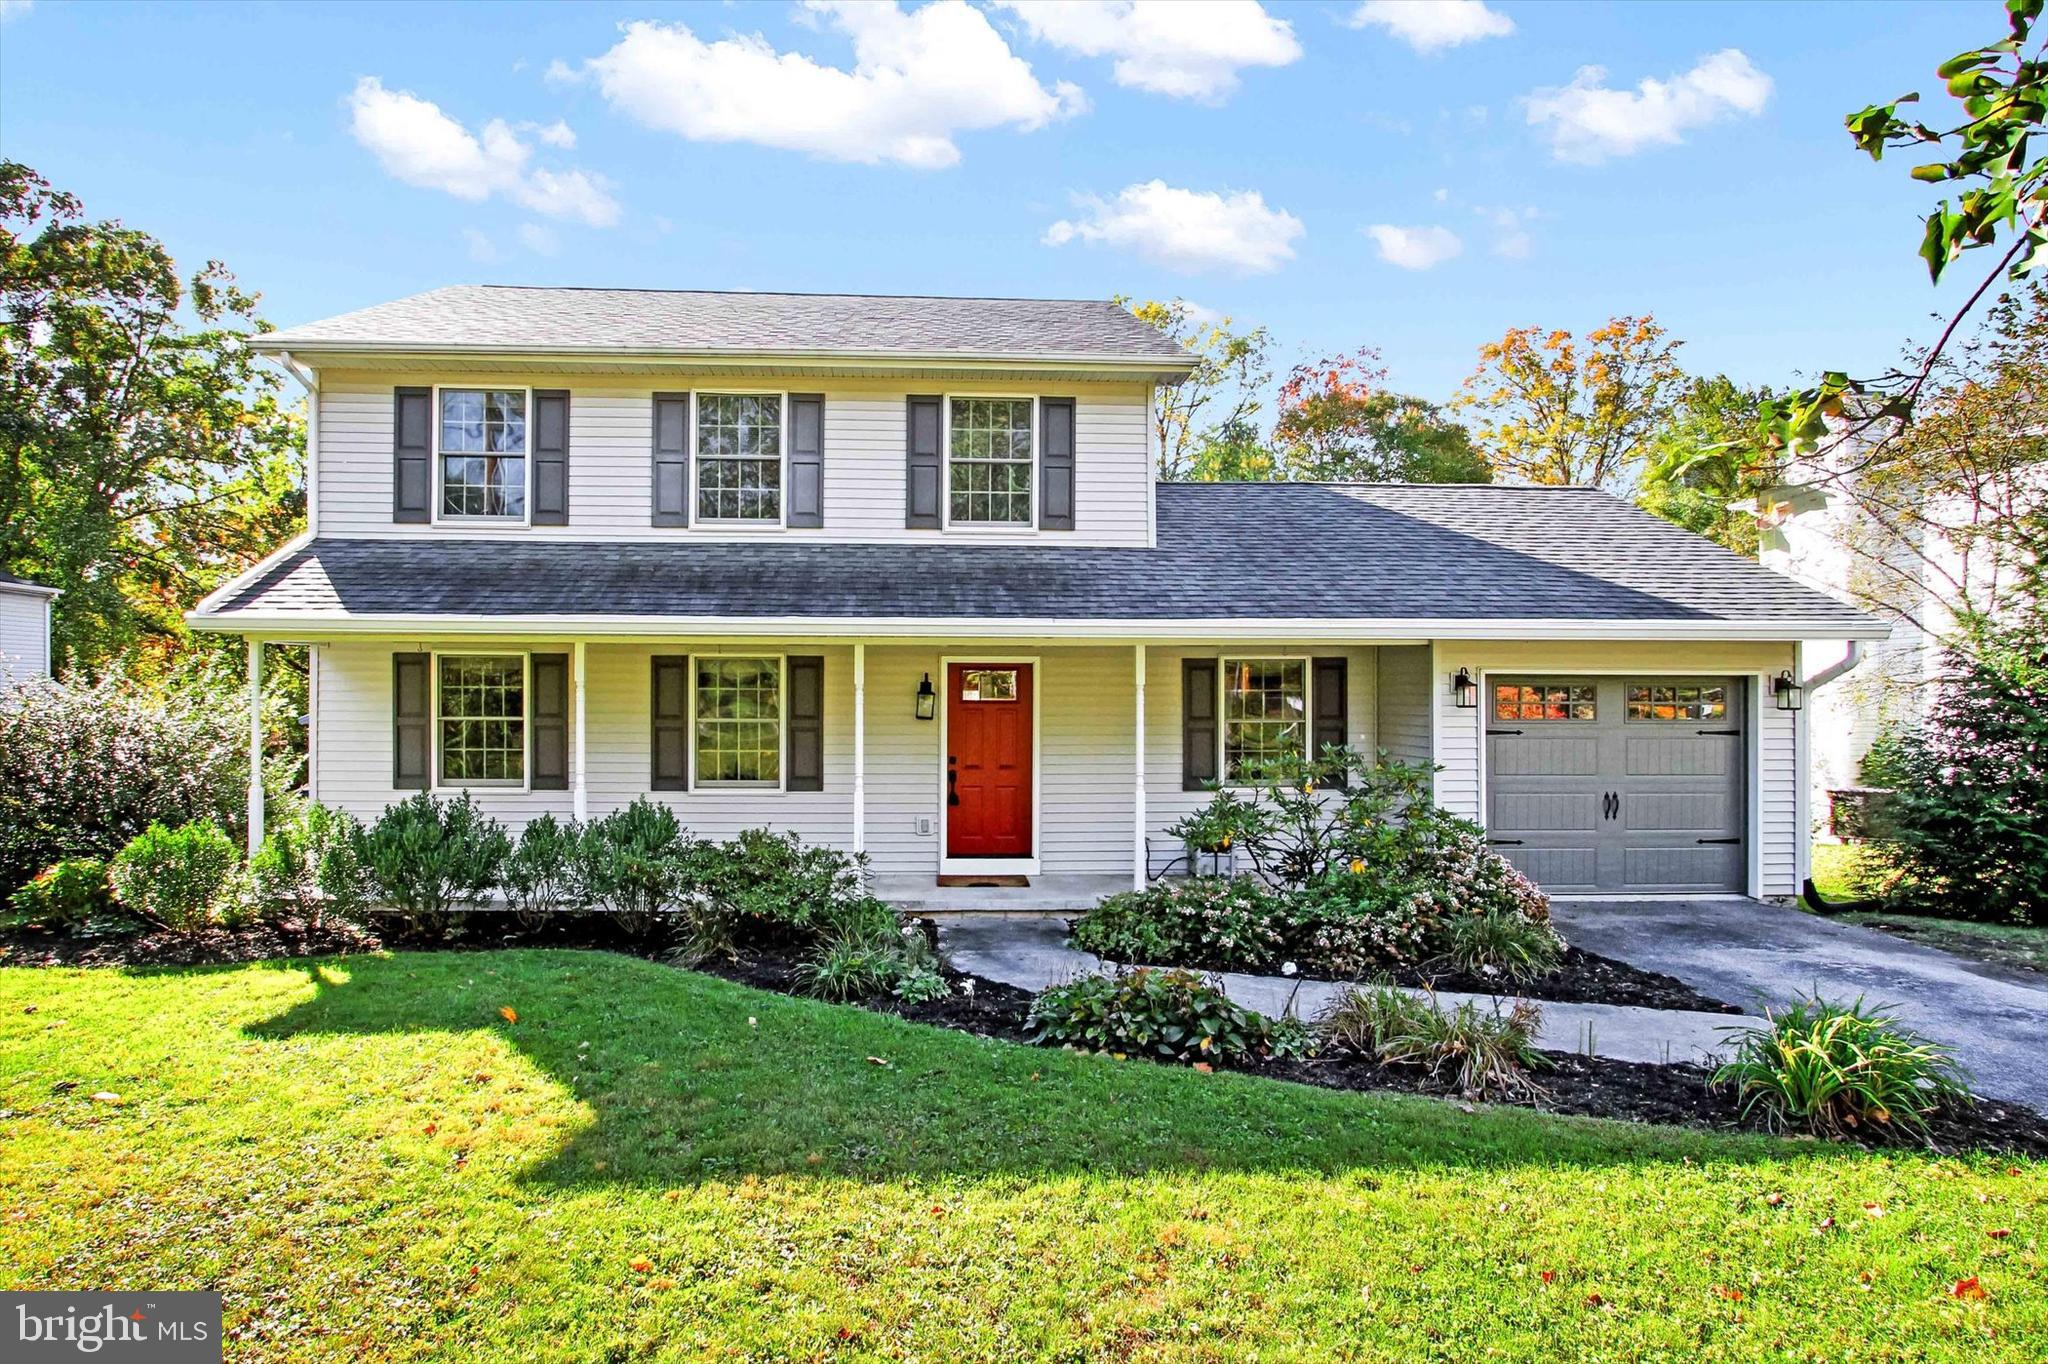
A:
(1433, 25)
(1192, 49)
(1511, 240)
(420, 145)
(537, 239)
(1415, 248)
(557, 134)
(1588, 122)
(482, 249)
(1186, 230)
(917, 79)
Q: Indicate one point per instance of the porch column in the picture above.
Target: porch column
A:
(860, 748)
(255, 746)
(1138, 867)
(579, 786)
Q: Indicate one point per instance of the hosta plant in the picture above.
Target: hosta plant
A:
(1838, 1069)
(1168, 1015)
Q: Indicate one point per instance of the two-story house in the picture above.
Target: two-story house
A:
(894, 573)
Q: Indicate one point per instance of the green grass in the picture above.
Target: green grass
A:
(371, 1162)
(1844, 871)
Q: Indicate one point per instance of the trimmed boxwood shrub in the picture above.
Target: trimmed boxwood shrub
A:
(308, 867)
(428, 860)
(179, 878)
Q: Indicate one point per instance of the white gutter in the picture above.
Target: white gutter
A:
(310, 381)
(929, 627)
(1846, 663)
(284, 343)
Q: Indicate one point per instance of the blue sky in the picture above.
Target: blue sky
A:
(336, 156)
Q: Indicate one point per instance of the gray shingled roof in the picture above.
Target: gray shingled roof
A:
(1356, 553)
(500, 317)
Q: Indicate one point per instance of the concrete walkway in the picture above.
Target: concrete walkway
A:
(1031, 952)
(1748, 953)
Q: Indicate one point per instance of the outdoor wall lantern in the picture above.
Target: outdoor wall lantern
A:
(927, 699)
(1465, 689)
(1791, 696)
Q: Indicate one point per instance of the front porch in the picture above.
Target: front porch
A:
(1062, 895)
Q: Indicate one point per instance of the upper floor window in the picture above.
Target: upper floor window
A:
(483, 448)
(739, 457)
(990, 445)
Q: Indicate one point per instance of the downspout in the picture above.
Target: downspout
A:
(1807, 890)
(310, 381)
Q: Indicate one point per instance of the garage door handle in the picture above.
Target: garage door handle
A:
(1505, 842)
(1731, 733)
(1610, 806)
(1503, 731)
(1718, 840)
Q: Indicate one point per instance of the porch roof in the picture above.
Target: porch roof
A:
(1445, 560)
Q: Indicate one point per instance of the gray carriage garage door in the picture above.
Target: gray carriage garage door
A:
(1619, 784)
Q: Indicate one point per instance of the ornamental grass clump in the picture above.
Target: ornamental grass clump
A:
(1838, 1069)
(1503, 943)
(1485, 1054)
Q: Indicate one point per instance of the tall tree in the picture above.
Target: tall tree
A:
(1219, 400)
(1337, 423)
(1557, 409)
(1704, 470)
(144, 455)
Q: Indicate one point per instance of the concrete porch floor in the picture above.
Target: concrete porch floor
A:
(1045, 895)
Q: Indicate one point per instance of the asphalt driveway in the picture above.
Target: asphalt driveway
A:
(1748, 953)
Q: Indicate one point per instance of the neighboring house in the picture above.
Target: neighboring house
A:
(24, 628)
(894, 573)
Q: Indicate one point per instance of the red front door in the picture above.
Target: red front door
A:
(988, 760)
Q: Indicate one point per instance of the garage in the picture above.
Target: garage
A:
(1620, 785)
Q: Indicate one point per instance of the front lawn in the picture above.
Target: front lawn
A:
(576, 1155)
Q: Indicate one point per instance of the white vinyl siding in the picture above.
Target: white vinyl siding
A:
(1460, 734)
(24, 635)
(1404, 718)
(611, 436)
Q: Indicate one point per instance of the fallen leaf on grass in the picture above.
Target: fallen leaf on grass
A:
(1999, 1233)
(877, 1061)
(1205, 1067)
(1731, 1294)
(1547, 1275)
(106, 1096)
(431, 1128)
(661, 1283)
(1969, 1289)
(1594, 1300)
(1774, 1199)
(1874, 1209)
(1825, 1224)
(509, 1014)
(642, 1266)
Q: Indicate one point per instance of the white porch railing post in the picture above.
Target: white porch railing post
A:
(255, 746)
(1138, 867)
(860, 747)
(579, 785)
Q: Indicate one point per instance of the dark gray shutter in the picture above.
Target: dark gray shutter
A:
(1329, 694)
(548, 712)
(1198, 733)
(672, 459)
(551, 457)
(924, 467)
(807, 459)
(412, 454)
(806, 724)
(411, 719)
(671, 736)
(1055, 463)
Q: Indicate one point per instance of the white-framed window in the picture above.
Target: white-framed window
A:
(1677, 701)
(739, 455)
(991, 460)
(481, 736)
(483, 470)
(738, 706)
(1265, 714)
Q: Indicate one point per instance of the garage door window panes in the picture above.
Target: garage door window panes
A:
(1544, 701)
(1658, 701)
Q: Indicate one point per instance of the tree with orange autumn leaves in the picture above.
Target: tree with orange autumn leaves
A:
(1553, 408)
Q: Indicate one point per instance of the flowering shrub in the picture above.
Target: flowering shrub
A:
(1222, 923)
(1356, 923)
(85, 768)
(180, 878)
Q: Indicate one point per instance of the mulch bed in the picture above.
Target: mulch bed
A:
(1676, 1094)
(1581, 978)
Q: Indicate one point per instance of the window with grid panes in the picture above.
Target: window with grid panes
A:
(481, 705)
(739, 457)
(739, 721)
(990, 445)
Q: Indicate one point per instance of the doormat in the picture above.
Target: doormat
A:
(990, 882)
